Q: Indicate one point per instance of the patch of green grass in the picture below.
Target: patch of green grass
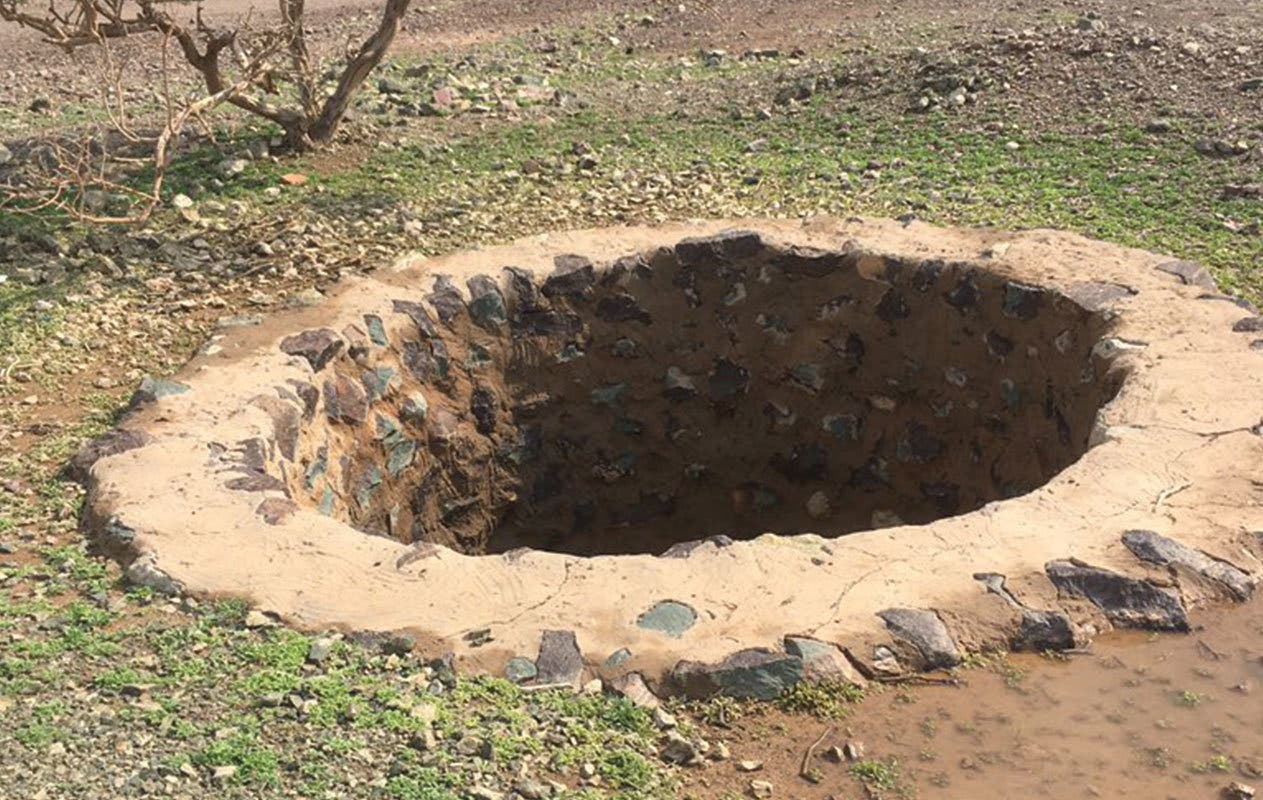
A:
(424, 784)
(630, 773)
(116, 679)
(825, 699)
(256, 765)
(876, 775)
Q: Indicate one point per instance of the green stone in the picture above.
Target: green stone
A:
(670, 617)
(520, 669)
(400, 457)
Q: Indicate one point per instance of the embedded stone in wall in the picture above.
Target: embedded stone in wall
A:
(318, 346)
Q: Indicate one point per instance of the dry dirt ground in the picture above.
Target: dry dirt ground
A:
(1090, 116)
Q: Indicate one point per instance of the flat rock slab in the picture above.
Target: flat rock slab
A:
(1127, 602)
(559, 661)
(753, 674)
(1158, 549)
(926, 633)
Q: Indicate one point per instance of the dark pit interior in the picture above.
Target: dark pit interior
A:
(721, 386)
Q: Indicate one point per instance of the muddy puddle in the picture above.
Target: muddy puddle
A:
(1139, 715)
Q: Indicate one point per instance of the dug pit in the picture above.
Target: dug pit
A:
(857, 442)
(722, 386)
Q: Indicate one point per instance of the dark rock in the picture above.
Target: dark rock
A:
(546, 323)
(398, 644)
(110, 443)
(622, 307)
(483, 405)
(724, 246)
(965, 295)
(318, 346)
(1022, 301)
(345, 399)
(1127, 602)
(438, 350)
(486, 306)
(419, 359)
(419, 316)
(917, 445)
(810, 262)
(1043, 630)
(1248, 325)
(559, 660)
(573, 277)
(1097, 296)
(378, 382)
(308, 395)
(926, 633)
(447, 300)
(756, 673)
(1157, 549)
(522, 287)
(257, 481)
(1190, 274)
(1236, 300)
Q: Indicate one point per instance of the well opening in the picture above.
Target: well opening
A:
(722, 386)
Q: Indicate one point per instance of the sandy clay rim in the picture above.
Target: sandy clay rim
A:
(195, 490)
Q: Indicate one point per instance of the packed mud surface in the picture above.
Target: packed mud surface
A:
(1135, 716)
(720, 387)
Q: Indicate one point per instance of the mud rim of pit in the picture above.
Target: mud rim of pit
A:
(961, 439)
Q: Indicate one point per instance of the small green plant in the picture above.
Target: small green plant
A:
(1218, 763)
(720, 711)
(1189, 698)
(826, 699)
(255, 764)
(875, 774)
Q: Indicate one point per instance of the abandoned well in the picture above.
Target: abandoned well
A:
(915, 430)
(724, 386)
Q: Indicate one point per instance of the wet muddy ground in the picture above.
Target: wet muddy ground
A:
(1138, 715)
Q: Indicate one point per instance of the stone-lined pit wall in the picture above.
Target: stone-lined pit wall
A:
(723, 386)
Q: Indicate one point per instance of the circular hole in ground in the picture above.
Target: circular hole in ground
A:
(723, 386)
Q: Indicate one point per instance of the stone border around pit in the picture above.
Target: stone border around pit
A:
(1162, 514)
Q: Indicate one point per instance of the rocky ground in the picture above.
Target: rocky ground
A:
(1140, 125)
